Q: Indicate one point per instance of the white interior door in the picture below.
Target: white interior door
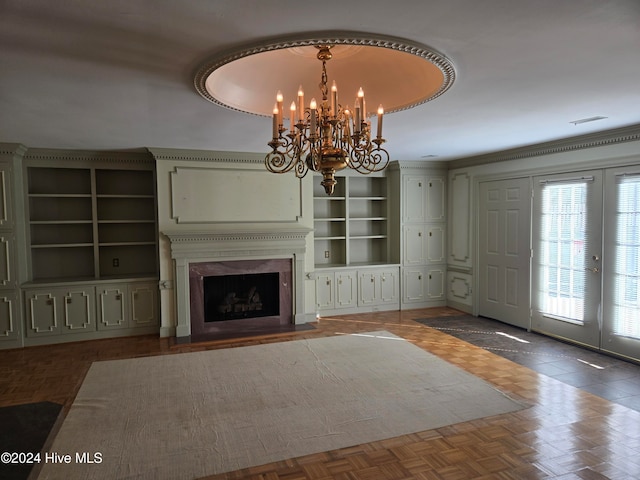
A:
(566, 261)
(504, 251)
(621, 286)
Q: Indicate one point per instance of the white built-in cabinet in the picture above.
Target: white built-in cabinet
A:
(422, 243)
(10, 319)
(90, 249)
(352, 238)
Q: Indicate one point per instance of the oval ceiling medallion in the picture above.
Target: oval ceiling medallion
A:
(393, 72)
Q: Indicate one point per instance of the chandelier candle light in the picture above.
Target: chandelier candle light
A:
(325, 139)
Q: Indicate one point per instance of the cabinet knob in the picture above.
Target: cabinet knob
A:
(118, 297)
(429, 276)
(50, 301)
(430, 234)
(68, 299)
(328, 282)
(419, 234)
(372, 279)
(419, 277)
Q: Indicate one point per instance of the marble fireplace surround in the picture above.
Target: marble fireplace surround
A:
(246, 242)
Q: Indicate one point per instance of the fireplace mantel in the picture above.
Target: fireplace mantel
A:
(236, 242)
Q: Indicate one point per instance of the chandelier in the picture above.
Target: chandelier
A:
(325, 138)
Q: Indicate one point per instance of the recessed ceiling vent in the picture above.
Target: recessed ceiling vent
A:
(587, 120)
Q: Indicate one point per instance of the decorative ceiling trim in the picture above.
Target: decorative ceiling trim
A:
(592, 140)
(329, 38)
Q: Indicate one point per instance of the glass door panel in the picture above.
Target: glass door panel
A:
(566, 267)
(621, 294)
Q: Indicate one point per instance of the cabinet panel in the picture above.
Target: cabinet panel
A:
(112, 307)
(378, 287)
(78, 311)
(9, 320)
(6, 210)
(389, 286)
(7, 268)
(436, 192)
(435, 243)
(414, 244)
(144, 304)
(413, 198)
(346, 289)
(42, 313)
(58, 311)
(435, 283)
(324, 290)
(413, 285)
(368, 288)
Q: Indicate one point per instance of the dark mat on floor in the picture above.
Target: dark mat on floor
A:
(25, 429)
(608, 377)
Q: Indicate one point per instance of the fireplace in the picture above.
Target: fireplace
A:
(241, 250)
(239, 297)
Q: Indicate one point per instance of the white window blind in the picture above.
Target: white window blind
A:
(626, 277)
(563, 242)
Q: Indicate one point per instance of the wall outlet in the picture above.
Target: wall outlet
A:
(115, 262)
(326, 254)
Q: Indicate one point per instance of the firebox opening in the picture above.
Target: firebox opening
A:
(234, 297)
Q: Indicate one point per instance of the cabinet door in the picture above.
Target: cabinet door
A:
(7, 269)
(144, 299)
(413, 198)
(324, 290)
(42, 312)
(9, 322)
(368, 288)
(78, 310)
(6, 210)
(435, 244)
(435, 283)
(414, 285)
(346, 289)
(389, 286)
(414, 244)
(435, 199)
(112, 307)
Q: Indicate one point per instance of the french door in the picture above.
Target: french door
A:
(586, 259)
(621, 288)
(567, 257)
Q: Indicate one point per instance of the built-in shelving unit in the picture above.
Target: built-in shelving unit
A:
(351, 243)
(351, 225)
(91, 223)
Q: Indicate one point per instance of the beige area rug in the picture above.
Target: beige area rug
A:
(189, 415)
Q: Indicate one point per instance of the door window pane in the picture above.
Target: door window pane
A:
(562, 246)
(626, 276)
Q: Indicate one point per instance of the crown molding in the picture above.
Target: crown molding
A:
(12, 149)
(181, 154)
(50, 155)
(599, 139)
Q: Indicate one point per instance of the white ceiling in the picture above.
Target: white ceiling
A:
(118, 74)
